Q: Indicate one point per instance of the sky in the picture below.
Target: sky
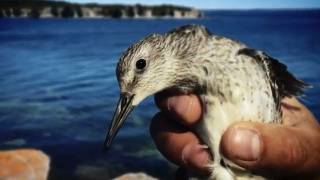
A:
(219, 4)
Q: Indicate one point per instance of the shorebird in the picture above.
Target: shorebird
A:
(234, 82)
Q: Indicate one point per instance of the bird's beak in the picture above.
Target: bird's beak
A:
(124, 108)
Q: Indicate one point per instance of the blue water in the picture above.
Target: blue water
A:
(58, 88)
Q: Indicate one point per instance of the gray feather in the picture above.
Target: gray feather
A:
(282, 82)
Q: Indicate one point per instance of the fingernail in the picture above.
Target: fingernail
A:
(195, 155)
(244, 145)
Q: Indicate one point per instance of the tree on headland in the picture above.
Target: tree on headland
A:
(167, 10)
(159, 11)
(171, 12)
(7, 12)
(1, 13)
(54, 12)
(67, 12)
(130, 12)
(116, 13)
(78, 11)
(140, 10)
(34, 14)
(17, 12)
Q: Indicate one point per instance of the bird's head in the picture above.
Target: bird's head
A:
(149, 66)
(143, 70)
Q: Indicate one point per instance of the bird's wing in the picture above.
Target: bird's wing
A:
(282, 82)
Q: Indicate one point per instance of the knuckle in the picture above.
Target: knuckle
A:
(296, 152)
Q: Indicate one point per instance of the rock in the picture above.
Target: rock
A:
(103, 172)
(135, 176)
(85, 172)
(24, 164)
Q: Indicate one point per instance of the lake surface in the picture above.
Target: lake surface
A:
(58, 88)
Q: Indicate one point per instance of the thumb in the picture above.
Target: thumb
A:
(271, 149)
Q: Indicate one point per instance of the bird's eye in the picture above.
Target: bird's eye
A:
(141, 64)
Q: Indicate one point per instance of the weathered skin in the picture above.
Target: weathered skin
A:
(233, 81)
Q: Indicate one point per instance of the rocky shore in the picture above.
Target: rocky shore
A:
(34, 164)
(60, 9)
(24, 164)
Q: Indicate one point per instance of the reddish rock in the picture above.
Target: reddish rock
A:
(26, 164)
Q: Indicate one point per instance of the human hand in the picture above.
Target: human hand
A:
(286, 150)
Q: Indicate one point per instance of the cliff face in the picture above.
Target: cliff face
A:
(54, 9)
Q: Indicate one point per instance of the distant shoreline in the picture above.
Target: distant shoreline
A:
(58, 9)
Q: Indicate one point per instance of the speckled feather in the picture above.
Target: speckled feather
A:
(235, 83)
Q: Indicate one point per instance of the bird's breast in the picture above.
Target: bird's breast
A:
(240, 95)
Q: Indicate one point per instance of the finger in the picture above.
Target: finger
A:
(296, 114)
(184, 108)
(179, 145)
(272, 149)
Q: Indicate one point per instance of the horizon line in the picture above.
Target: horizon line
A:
(248, 9)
